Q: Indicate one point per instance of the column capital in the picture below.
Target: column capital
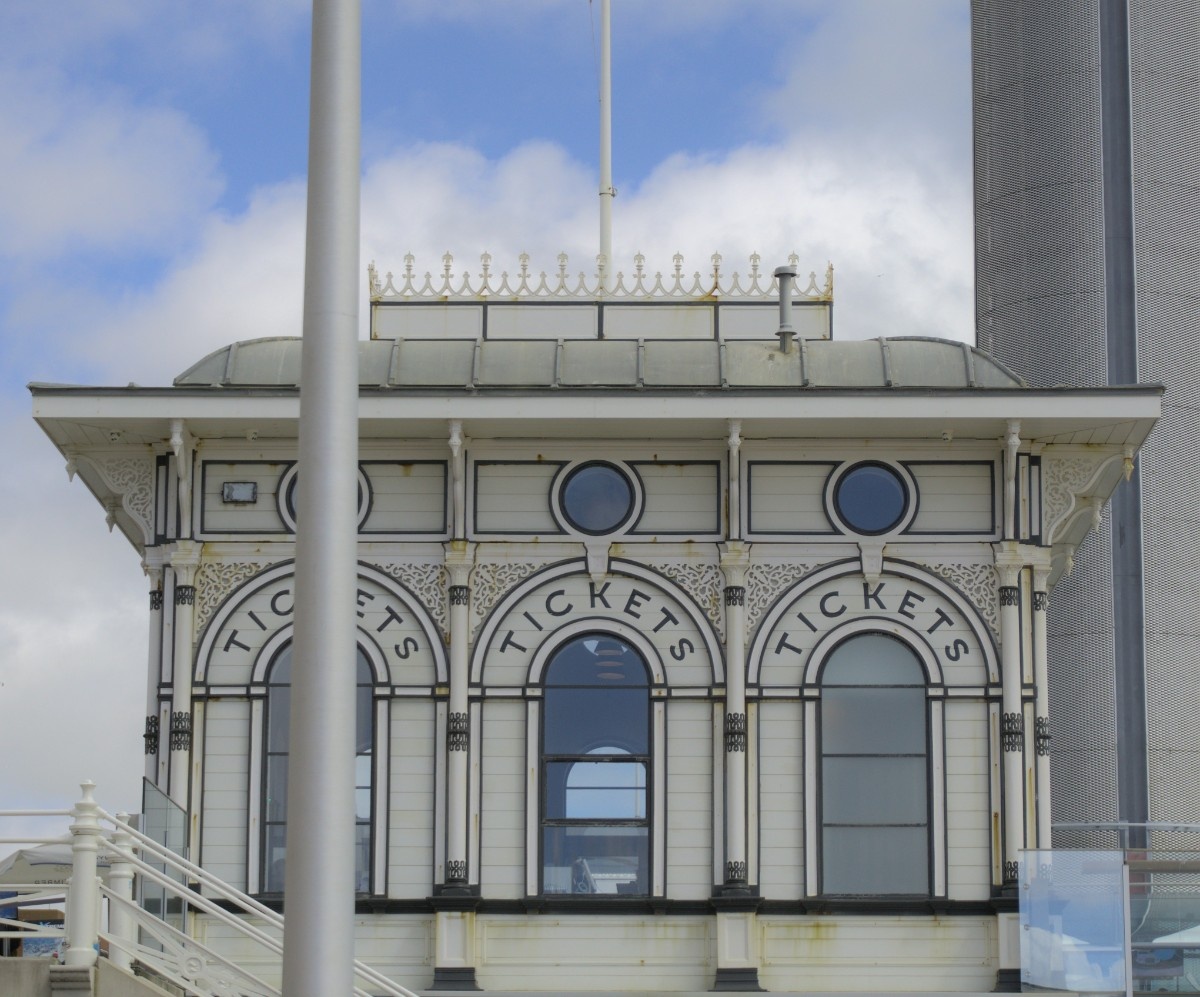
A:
(185, 559)
(460, 560)
(735, 560)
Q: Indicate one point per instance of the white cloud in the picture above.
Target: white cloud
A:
(81, 170)
(73, 639)
(104, 170)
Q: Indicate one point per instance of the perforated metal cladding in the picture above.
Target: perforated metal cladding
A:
(1083, 756)
(1040, 306)
(1038, 193)
(1021, 47)
(1165, 108)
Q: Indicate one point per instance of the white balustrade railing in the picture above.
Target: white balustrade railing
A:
(640, 285)
(135, 937)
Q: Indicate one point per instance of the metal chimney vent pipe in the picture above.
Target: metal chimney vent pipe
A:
(785, 276)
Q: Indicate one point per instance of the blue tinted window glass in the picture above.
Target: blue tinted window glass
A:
(596, 498)
(871, 498)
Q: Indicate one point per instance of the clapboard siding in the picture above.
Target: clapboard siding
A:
(226, 785)
(502, 817)
(954, 498)
(787, 497)
(689, 800)
(410, 799)
(679, 498)
(968, 845)
(514, 498)
(861, 954)
(398, 945)
(781, 800)
(261, 516)
(585, 952)
(406, 497)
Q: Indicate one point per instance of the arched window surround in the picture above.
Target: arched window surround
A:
(255, 878)
(935, 720)
(553, 643)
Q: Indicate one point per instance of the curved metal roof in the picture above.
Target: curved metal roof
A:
(739, 365)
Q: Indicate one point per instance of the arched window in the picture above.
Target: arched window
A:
(275, 760)
(874, 743)
(596, 769)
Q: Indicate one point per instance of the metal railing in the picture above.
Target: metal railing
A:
(136, 939)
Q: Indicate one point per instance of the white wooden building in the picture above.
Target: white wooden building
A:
(689, 657)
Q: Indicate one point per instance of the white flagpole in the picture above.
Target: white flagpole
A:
(607, 193)
(318, 952)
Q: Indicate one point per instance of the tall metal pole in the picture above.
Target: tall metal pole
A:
(318, 949)
(607, 193)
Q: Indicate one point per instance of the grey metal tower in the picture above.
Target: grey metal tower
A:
(1087, 215)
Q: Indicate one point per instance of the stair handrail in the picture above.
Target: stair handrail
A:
(226, 892)
(132, 847)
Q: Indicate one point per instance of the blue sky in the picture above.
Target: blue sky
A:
(152, 160)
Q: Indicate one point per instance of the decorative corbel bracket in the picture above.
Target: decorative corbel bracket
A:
(871, 558)
(129, 480)
(1076, 488)
(597, 560)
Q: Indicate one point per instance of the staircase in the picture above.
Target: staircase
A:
(145, 955)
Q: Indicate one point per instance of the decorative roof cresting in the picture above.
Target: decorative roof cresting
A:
(713, 283)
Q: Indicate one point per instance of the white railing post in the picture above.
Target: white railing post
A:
(83, 896)
(121, 923)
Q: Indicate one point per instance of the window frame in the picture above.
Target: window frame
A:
(256, 823)
(934, 714)
(655, 761)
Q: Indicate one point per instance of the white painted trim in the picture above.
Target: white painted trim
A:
(380, 784)
(935, 762)
(440, 766)
(254, 803)
(533, 803)
(790, 596)
(717, 735)
(555, 639)
(658, 818)
(912, 639)
(380, 778)
(578, 566)
(475, 791)
(937, 791)
(238, 597)
(812, 833)
(910, 512)
(637, 505)
(995, 780)
(752, 794)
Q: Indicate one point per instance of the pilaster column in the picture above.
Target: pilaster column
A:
(460, 557)
(1041, 725)
(152, 734)
(1012, 725)
(735, 558)
(184, 562)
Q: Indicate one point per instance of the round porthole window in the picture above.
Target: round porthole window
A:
(871, 498)
(286, 495)
(597, 498)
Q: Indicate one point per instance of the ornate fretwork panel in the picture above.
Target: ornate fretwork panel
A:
(489, 582)
(1064, 479)
(703, 582)
(427, 582)
(215, 580)
(978, 583)
(132, 479)
(764, 584)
